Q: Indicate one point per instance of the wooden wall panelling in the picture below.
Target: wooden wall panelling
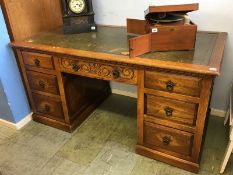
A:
(26, 18)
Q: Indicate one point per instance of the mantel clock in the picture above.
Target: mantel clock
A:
(78, 16)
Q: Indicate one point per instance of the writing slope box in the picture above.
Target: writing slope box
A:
(165, 28)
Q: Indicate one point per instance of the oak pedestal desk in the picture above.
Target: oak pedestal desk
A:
(67, 76)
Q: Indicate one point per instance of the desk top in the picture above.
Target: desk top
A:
(111, 43)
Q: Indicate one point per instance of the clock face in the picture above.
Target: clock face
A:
(77, 6)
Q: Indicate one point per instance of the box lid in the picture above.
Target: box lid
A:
(185, 8)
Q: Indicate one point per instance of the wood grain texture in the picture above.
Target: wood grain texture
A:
(176, 37)
(136, 26)
(175, 96)
(99, 70)
(217, 53)
(43, 82)
(200, 122)
(167, 140)
(173, 8)
(37, 60)
(139, 45)
(169, 123)
(173, 83)
(172, 160)
(25, 79)
(26, 18)
(49, 107)
(62, 92)
(169, 109)
(140, 106)
(186, 61)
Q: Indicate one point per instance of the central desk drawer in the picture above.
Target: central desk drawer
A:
(99, 70)
(170, 109)
(173, 83)
(167, 140)
(43, 82)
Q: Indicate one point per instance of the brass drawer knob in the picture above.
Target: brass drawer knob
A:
(47, 108)
(170, 86)
(37, 62)
(166, 140)
(42, 84)
(115, 74)
(168, 111)
(75, 67)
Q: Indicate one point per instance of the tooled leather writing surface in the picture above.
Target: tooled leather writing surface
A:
(114, 40)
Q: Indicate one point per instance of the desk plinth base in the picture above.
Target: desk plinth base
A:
(174, 161)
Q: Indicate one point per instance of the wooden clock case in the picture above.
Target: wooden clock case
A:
(78, 23)
(162, 36)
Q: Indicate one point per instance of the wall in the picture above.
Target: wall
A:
(214, 15)
(5, 111)
(15, 97)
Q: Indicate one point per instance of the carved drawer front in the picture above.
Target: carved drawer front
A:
(37, 60)
(181, 84)
(167, 140)
(50, 107)
(171, 110)
(43, 82)
(100, 70)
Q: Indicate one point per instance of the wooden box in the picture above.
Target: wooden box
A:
(165, 28)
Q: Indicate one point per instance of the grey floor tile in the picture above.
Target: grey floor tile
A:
(6, 132)
(25, 153)
(59, 166)
(113, 159)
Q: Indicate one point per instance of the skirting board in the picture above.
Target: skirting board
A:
(18, 125)
(125, 93)
(214, 112)
(217, 112)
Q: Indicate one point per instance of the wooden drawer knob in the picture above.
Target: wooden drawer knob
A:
(42, 84)
(115, 74)
(75, 67)
(166, 140)
(37, 62)
(168, 111)
(170, 86)
(47, 108)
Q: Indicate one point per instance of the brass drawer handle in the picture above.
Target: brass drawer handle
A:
(75, 67)
(115, 73)
(168, 111)
(166, 140)
(42, 84)
(37, 62)
(47, 108)
(170, 86)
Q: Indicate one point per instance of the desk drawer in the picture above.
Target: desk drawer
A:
(43, 82)
(169, 82)
(171, 110)
(50, 107)
(103, 71)
(37, 60)
(167, 140)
